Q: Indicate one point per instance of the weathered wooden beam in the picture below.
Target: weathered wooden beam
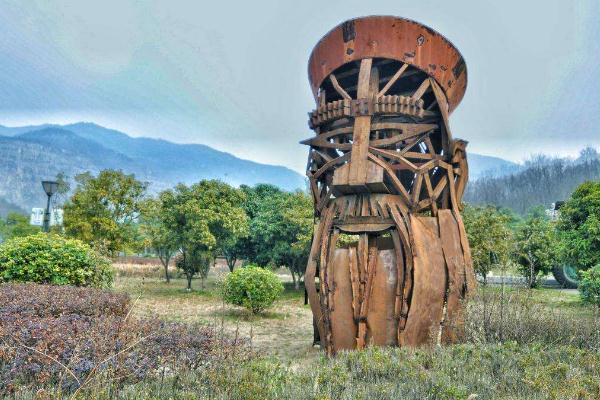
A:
(338, 88)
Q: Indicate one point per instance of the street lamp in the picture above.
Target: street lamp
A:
(50, 187)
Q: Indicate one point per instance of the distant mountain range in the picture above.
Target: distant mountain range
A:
(29, 154)
(32, 153)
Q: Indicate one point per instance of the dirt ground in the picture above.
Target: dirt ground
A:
(284, 331)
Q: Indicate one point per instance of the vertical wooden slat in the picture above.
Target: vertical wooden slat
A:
(371, 267)
(355, 280)
(357, 176)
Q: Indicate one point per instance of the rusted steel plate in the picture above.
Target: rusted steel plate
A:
(395, 38)
(429, 284)
(343, 326)
(455, 262)
(383, 326)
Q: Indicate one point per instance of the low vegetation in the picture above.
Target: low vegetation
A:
(531, 318)
(500, 371)
(517, 344)
(53, 259)
(252, 287)
(68, 340)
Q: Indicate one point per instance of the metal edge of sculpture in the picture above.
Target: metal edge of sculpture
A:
(390, 263)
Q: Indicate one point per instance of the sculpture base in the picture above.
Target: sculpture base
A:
(400, 286)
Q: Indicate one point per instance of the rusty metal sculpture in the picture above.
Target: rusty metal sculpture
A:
(390, 263)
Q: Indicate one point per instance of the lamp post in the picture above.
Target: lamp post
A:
(50, 187)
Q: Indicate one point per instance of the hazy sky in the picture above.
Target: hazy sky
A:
(232, 75)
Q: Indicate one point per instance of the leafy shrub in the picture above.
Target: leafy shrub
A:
(589, 287)
(76, 337)
(53, 259)
(252, 287)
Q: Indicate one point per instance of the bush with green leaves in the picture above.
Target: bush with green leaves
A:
(53, 259)
(589, 287)
(252, 287)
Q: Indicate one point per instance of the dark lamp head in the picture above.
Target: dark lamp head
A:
(50, 187)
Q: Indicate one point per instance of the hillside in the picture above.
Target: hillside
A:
(539, 182)
(31, 154)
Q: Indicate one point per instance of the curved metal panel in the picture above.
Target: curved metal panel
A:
(394, 38)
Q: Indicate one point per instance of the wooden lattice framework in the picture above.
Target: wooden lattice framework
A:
(384, 168)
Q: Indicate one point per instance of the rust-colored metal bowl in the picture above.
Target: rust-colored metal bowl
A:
(394, 38)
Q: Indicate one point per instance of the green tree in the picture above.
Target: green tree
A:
(195, 261)
(233, 249)
(579, 226)
(201, 217)
(16, 225)
(535, 247)
(104, 210)
(282, 232)
(489, 236)
(296, 235)
(64, 186)
(258, 200)
(232, 243)
(589, 288)
(156, 232)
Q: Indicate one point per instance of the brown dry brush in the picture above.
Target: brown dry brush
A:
(75, 338)
(495, 316)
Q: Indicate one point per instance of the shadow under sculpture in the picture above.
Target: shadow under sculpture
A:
(390, 263)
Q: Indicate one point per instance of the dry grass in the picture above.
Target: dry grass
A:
(284, 331)
(139, 270)
(527, 317)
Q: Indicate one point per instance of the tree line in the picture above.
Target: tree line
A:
(190, 225)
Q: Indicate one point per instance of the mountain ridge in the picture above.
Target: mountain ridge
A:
(35, 152)
(30, 154)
